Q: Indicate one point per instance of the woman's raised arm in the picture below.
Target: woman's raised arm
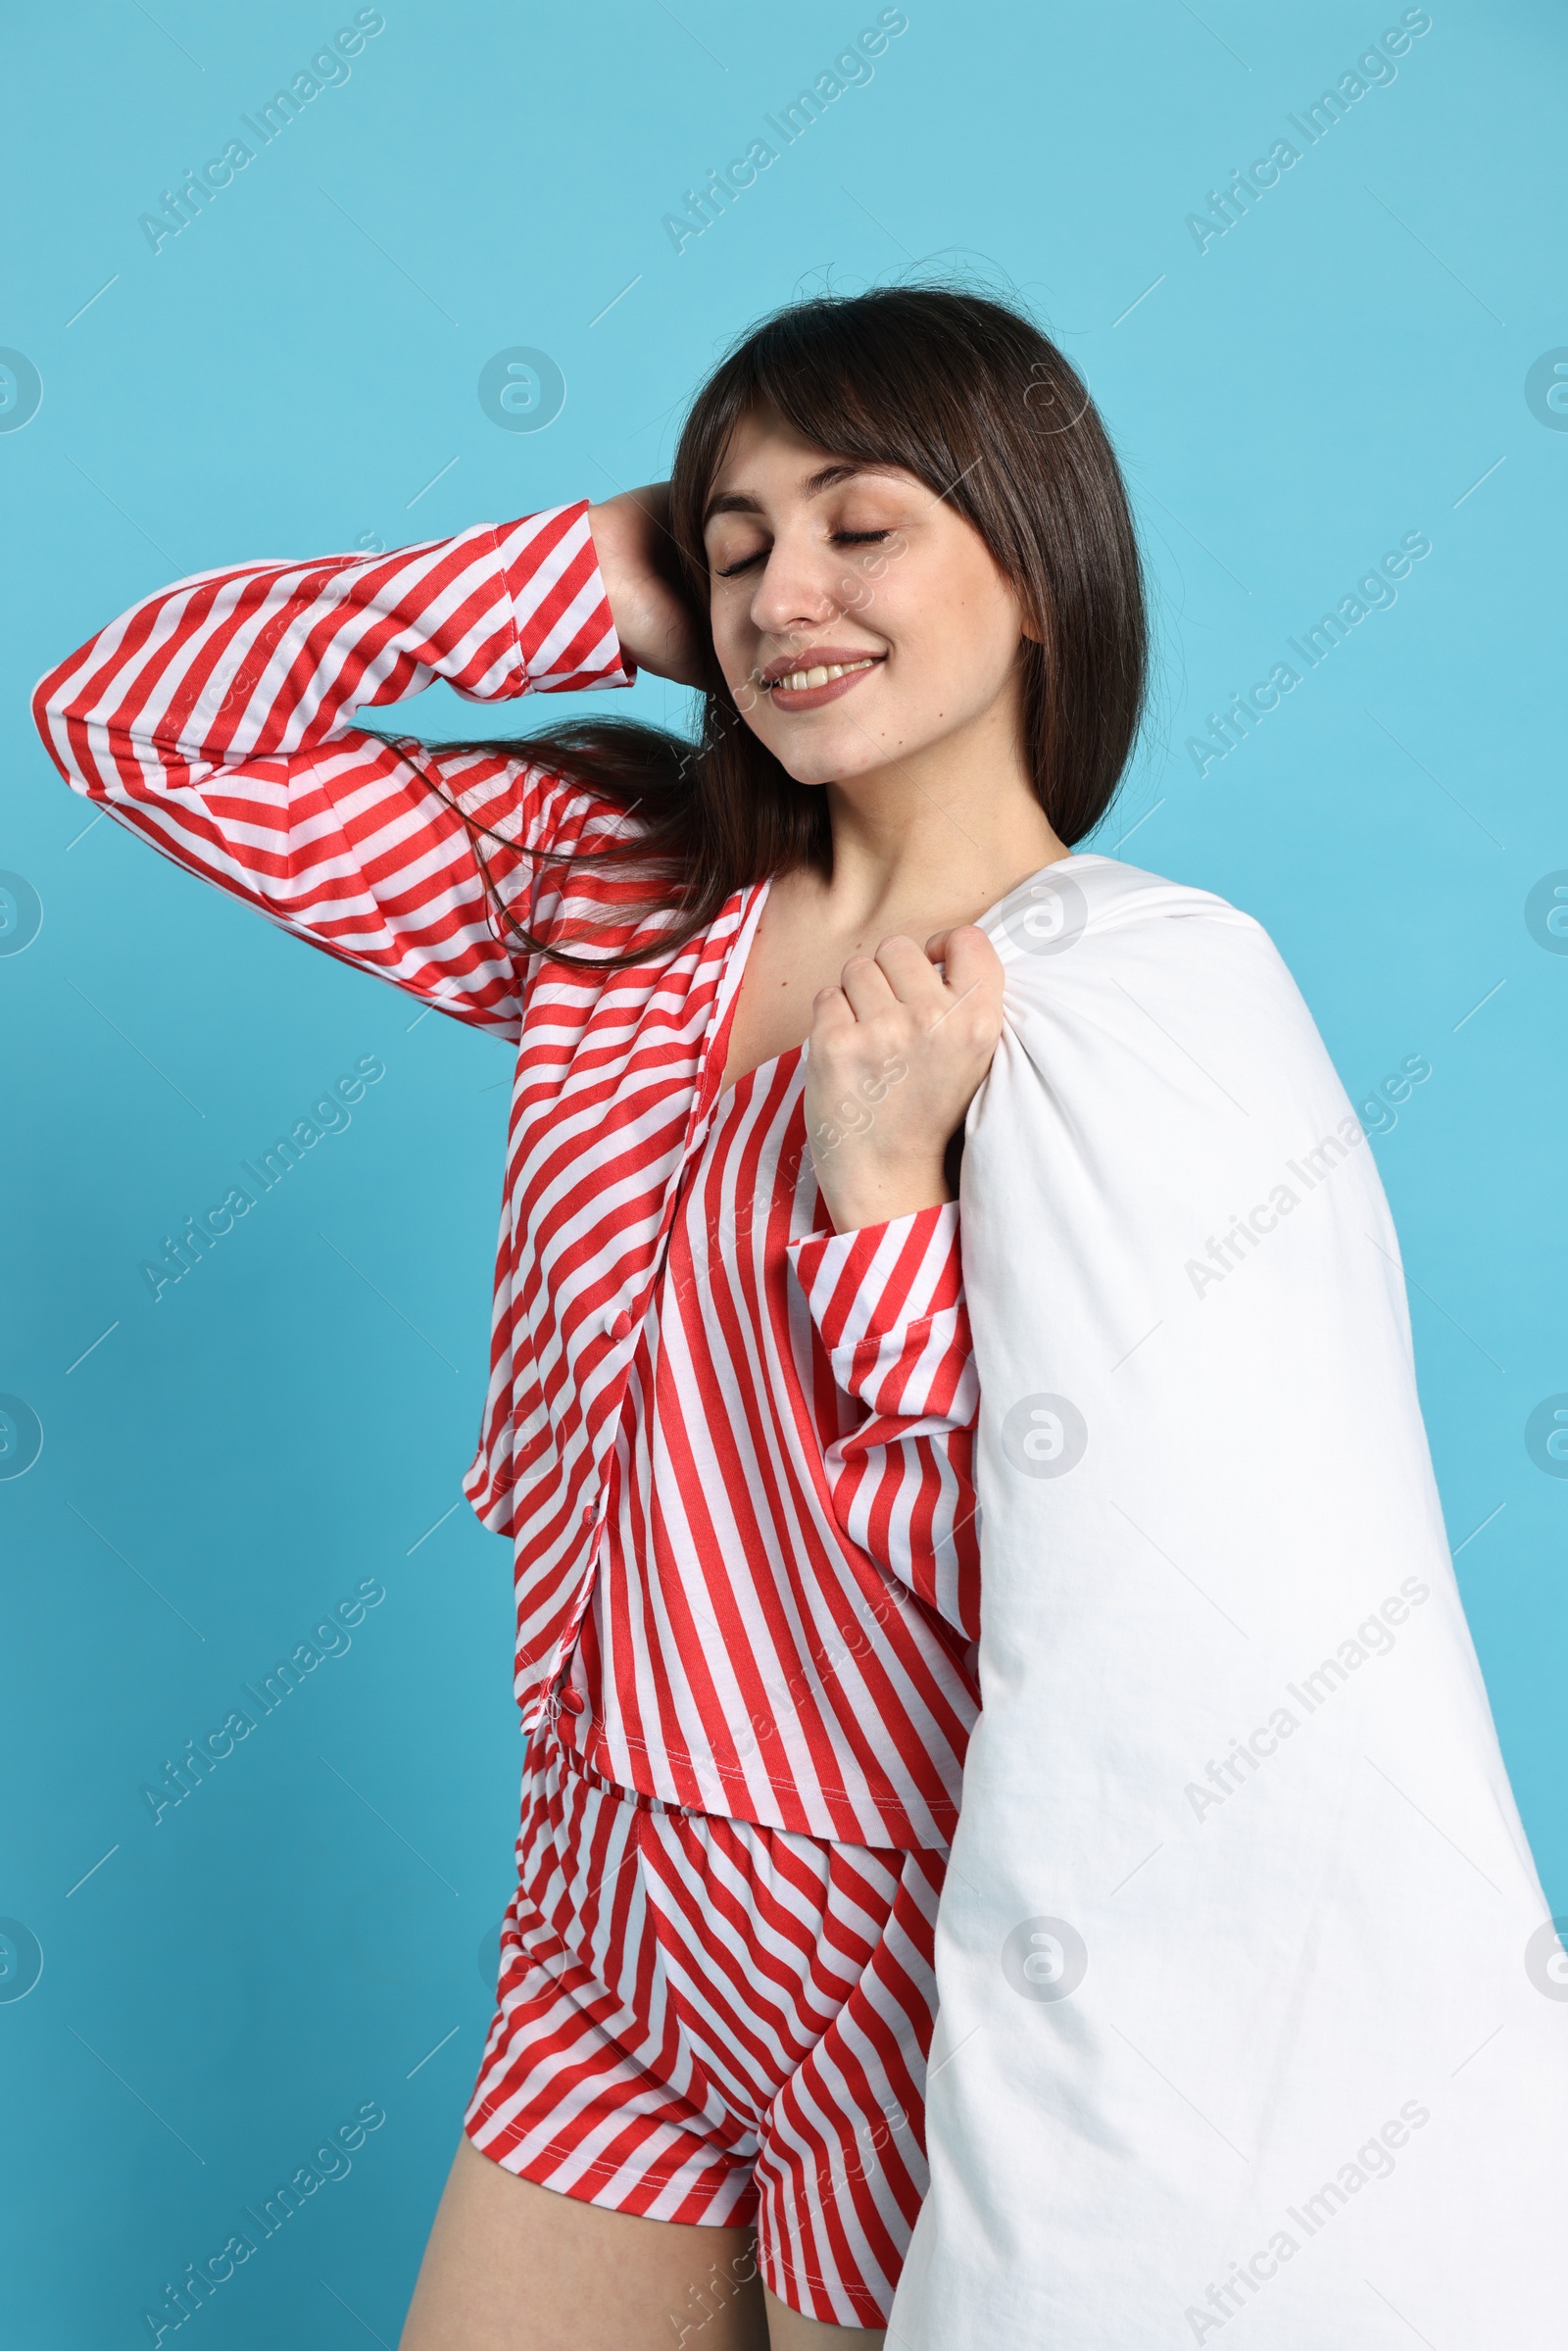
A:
(217, 719)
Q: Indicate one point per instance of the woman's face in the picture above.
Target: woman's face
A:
(816, 564)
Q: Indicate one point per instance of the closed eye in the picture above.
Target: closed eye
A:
(840, 538)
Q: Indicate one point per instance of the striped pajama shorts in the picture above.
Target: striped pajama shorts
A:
(703, 2021)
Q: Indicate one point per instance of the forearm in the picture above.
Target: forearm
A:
(858, 1188)
(273, 661)
(887, 1303)
(216, 722)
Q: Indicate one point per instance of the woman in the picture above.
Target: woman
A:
(730, 1414)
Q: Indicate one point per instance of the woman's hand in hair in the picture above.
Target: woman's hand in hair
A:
(897, 1052)
(654, 618)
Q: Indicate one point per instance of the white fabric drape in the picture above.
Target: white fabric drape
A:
(1252, 2013)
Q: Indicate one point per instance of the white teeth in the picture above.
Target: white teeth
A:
(799, 682)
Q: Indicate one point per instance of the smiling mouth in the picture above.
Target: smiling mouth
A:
(812, 678)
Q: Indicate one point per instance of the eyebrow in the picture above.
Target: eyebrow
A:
(826, 477)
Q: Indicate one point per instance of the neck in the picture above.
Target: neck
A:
(953, 827)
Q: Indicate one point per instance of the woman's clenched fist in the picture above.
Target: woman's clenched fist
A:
(897, 1052)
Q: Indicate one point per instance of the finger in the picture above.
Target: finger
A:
(908, 972)
(866, 986)
(973, 965)
(831, 1014)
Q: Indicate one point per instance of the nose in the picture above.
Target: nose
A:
(796, 587)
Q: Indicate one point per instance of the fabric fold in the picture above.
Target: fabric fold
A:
(1247, 2004)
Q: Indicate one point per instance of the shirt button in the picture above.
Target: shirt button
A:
(572, 1700)
(617, 1326)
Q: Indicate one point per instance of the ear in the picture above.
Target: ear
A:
(1028, 625)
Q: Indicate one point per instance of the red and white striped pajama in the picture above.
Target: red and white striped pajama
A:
(706, 2020)
(732, 1449)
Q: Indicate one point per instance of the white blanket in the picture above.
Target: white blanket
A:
(1253, 2018)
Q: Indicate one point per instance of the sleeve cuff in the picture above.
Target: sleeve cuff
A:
(878, 1283)
(567, 639)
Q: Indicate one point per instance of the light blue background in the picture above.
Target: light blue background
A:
(286, 376)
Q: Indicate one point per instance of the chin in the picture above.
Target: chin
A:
(835, 757)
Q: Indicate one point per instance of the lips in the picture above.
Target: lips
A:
(814, 658)
(837, 669)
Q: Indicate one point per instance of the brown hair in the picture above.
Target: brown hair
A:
(970, 397)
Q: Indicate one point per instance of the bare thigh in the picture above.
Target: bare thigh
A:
(514, 2266)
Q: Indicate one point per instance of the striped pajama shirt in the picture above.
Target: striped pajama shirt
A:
(731, 1447)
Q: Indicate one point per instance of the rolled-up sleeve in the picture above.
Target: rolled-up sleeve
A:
(887, 1302)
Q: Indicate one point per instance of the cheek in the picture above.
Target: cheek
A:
(953, 656)
(734, 650)
(731, 634)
